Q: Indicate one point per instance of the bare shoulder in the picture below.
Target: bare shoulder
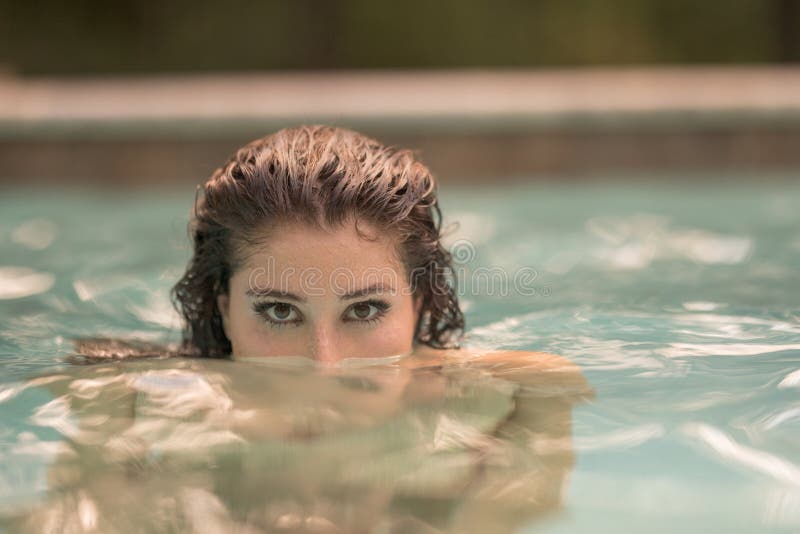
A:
(542, 361)
(527, 367)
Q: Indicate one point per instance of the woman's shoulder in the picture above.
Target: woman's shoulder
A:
(543, 361)
(530, 368)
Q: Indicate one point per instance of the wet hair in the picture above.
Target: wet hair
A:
(323, 176)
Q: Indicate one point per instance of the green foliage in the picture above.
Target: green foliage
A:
(90, 36)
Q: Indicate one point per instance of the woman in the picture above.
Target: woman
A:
(320, 245)
(318, 242)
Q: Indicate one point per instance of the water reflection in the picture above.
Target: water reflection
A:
(412, 445)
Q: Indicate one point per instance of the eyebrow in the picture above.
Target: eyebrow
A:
(277, 293)
(274, 293)
(374, 288)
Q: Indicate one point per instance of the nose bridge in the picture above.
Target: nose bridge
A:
(324, 346)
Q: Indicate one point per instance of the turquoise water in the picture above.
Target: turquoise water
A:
(680, 304)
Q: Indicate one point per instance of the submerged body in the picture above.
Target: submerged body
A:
(434, 440)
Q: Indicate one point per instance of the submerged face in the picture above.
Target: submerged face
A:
(324, 294)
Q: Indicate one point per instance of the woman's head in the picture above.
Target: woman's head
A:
(318, 241)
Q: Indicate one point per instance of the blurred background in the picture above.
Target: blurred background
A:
(155, 93)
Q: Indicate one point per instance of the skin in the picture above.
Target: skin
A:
(325, 294)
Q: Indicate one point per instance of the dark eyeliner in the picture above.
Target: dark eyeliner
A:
(262, 307)
(382, 306)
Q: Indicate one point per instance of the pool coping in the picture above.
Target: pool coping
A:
(484, 101)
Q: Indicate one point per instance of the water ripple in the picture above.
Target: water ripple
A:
(756, 460)
(19, 282)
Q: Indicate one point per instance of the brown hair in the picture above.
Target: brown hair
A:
(321, 175)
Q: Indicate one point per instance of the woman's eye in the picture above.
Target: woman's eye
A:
(365, 311)
(278, 312)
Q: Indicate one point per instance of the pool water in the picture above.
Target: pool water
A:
(679, 302)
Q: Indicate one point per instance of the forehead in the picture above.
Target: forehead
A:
(300, 247)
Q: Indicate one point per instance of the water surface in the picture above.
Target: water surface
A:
(679, 304)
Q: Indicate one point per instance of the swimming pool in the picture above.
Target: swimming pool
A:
(680, 304)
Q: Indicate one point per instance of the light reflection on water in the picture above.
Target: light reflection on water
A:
(680, 305)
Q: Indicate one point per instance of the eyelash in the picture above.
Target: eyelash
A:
(261, 308)
(381, 305)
